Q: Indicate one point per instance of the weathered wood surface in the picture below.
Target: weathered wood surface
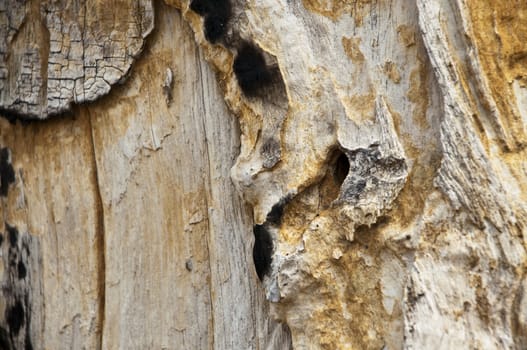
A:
(54, 53)
(136, 236)
(380, 144)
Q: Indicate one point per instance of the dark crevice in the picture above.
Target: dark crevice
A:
(338, 168)
(100, 239)
(262, 250)
(341, 167)
(7, 173)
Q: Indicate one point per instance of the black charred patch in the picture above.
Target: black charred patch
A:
(17, 287)
(262, 251)
(215, 27)
(15, 317)
(355, 189)
(7, 173)
(12, 234)
(202, 7)
(5, 342)
(216, 13)
(277, 211)
(14, 117)
(251, 70)
(21, 268)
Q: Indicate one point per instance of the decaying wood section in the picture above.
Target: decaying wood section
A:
(263, 174)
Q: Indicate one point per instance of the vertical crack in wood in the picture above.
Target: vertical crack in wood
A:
(207, 201)
(100, 240)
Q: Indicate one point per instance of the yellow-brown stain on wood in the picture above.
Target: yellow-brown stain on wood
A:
(315, 200)
(352, 49)
(411, 200)
(361, 107)
(418, 94)
(482, 303)
(406, 35)
(354, 313)
(517, 163)
(392, 72)
(427, 160)
(250, 125)
(348, 310)
(334, 9)
(500, 34)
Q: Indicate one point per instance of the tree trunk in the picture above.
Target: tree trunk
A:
(267, 174)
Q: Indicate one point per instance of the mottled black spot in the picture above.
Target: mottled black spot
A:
(216, 13)
(5, 342)
(22, 272)
(251, 70)
(12, 233)
(356, 188)
(215, 27)
(15, 317)
(262, 251)
(277, 211)
(7, 173)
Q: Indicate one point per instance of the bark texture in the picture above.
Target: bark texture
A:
(378, 148)
(54, 53)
